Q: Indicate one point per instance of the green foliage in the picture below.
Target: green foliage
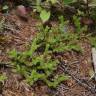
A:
(93, 41)
(39, 63)
(66, 2)
(2, 78)
(92, 3)
(44, 15)
(77, 23)
(44, 7)
(53, 1)
(3, 38)
(5, 7)
(93, 13)
(36, 66)
(59, 39)
(2, 21)
(47, 5)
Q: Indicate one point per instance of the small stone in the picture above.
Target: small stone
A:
(21, 12)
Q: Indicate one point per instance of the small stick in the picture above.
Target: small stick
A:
(5, 65)
(94, 60)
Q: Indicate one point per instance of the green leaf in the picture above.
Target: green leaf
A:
(5, 7)
(53, 1)
(44, 15)
(13, 53)
(2, 78)
(66, 2)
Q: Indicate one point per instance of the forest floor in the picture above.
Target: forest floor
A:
(19, 34)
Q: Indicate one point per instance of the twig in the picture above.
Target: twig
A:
(5, 65)
(94, 60)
